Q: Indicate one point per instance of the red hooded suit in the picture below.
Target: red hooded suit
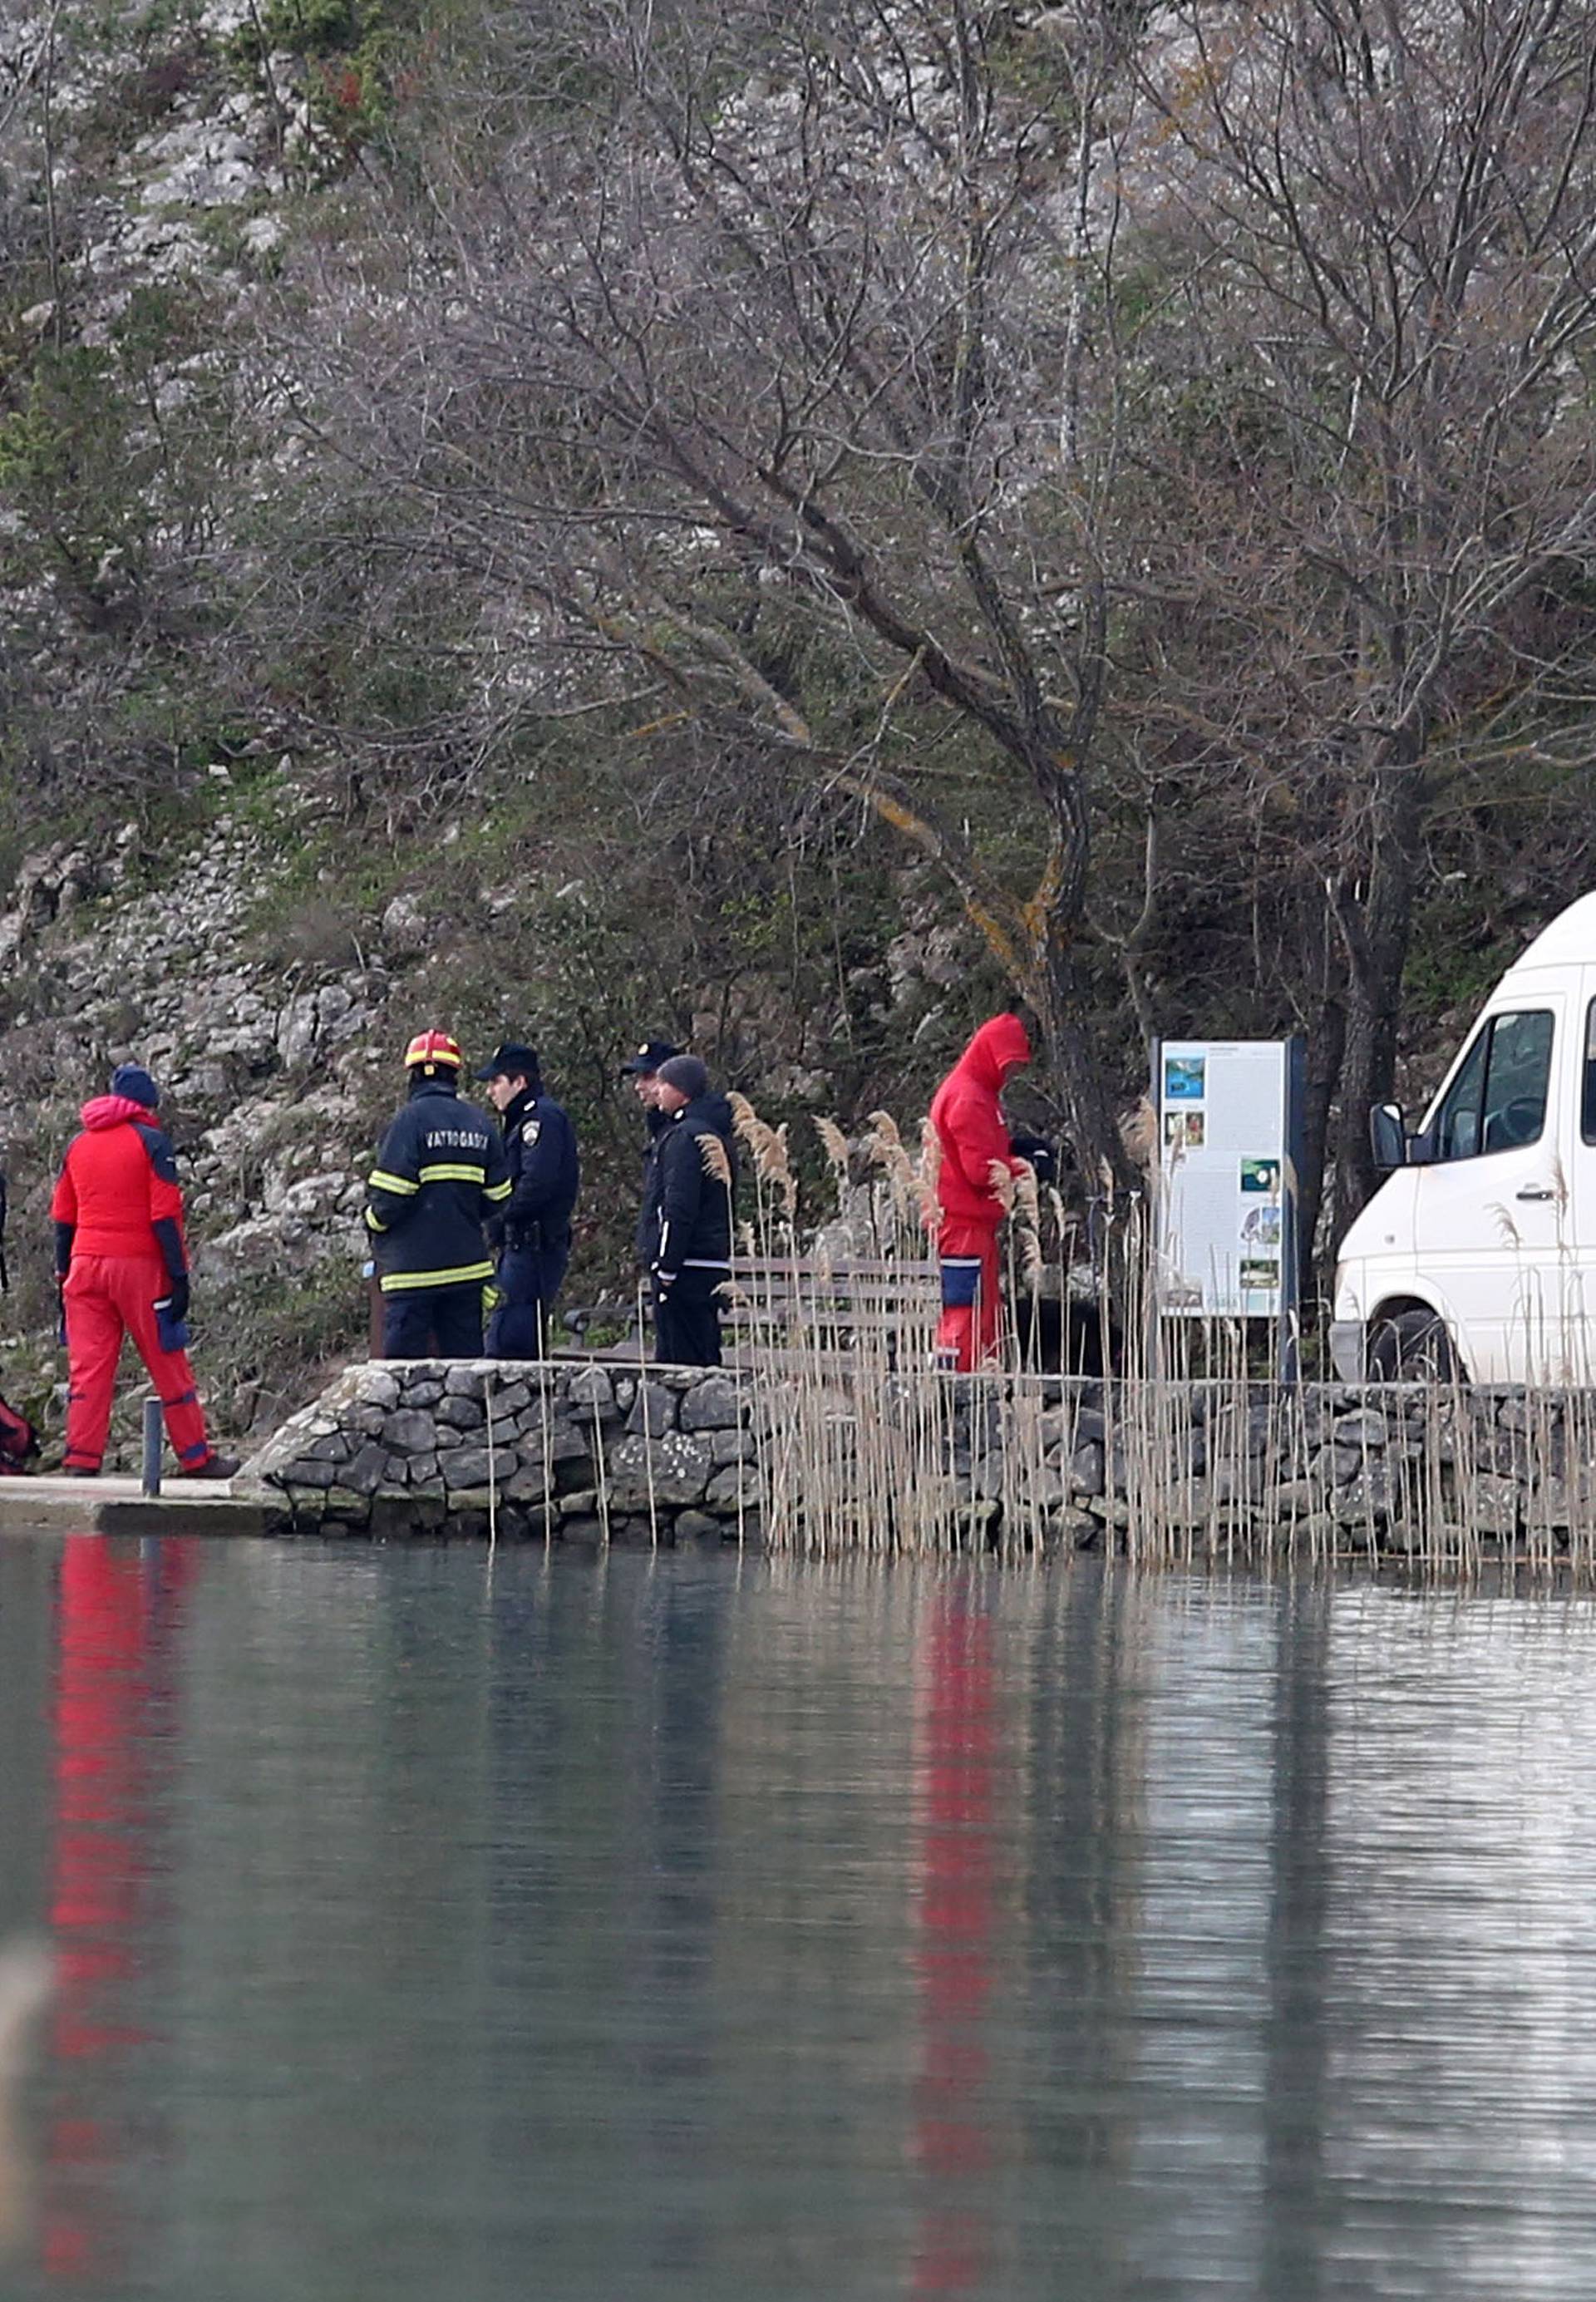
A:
(118, 1182)
(972, 1132)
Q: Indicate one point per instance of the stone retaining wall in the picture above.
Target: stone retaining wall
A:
(581, 1453)
(595, 1453)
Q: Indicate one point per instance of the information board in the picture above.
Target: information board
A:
(1227, 1134)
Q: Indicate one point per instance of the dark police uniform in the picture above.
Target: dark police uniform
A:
(685, 1233)
(441, 1173)
(540, 1145)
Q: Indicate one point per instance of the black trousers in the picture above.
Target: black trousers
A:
(423, 1323)
(687, 1319)
(529, 1279)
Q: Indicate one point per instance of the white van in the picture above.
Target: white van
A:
(1477, 1257)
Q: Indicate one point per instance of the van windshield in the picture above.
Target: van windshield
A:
(1498, 1100)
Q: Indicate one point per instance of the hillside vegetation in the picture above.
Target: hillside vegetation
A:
(789, 525)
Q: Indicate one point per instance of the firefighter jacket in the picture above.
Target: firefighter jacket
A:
(540, 1144)
(969, 1124)
(117, 1193)
(440, 1171)
(686, 1220)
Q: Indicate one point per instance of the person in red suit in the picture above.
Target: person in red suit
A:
(123, 1268)
(972, 1132)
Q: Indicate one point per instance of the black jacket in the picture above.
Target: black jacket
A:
(440, 1171)
(539, 1143)
(686, 1220)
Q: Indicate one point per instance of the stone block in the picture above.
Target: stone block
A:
(303, 1472)
(463, 1382)
(592, 1389)
(363, 1475)
(444, 1434)
(673, 1468)
(578, 1505)
(410, 1431)
(466, 1466)
(461, 1411)
(1491, 1506)
(556, 1442)
(1367, 1500)
(1086, 1469)
(715, 1403)
(377, 1387)
(731, 1447)
(363, 1420)
(653, 1409)
(1365, 1427)
(396, 1470)
(632, 1533)
(508, 1398)
(737, 1485)
(425, 1391)
(335, 1447)
(526, 1484)
(462, 1499)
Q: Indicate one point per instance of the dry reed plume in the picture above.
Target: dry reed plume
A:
(1181, 1454)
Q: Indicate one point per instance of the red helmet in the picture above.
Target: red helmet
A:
(430, 1048)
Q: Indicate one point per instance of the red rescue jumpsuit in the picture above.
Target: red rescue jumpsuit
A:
(972, 1132)
(117, 1182)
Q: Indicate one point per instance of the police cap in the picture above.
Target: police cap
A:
(647, 1059)
(510, 1059)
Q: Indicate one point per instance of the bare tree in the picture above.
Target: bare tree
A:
(1376, 233)
(759, 357)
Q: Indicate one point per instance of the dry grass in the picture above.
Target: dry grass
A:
(1182, 1454)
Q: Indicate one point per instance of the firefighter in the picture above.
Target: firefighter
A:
(123, 1268)
(440, 1174)
(533, 1234)
(967, 1114)
(684, 1232)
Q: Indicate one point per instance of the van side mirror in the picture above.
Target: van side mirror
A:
(1387, 1137)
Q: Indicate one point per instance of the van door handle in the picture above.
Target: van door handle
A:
(1535, 1191)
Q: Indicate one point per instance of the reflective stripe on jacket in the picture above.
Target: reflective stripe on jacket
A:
(440, 1171)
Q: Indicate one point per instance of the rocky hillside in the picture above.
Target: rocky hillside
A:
(272, 996)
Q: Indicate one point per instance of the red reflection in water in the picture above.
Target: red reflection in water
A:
(955, 1918)
(111, 1606)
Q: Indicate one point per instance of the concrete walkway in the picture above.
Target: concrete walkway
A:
(114, 1505)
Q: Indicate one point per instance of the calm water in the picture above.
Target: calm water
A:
(685, 1930)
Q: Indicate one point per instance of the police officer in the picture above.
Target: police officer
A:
(440, 1174)
(643, 1069)
(684, 1231)
(533, 1234)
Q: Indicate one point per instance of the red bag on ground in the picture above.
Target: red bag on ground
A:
(19, 1441)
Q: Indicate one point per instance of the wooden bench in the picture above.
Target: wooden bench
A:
(788, 1305)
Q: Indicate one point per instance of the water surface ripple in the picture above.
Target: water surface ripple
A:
(437, 1927)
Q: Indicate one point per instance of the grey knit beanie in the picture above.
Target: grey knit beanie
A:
(685, 1073)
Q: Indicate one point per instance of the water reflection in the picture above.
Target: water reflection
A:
(955, 1919)
(697, 1928)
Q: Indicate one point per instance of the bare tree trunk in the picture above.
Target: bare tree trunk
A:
(1377, 933)
(1326, 1041)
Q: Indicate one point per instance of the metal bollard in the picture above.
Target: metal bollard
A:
(150, 1480)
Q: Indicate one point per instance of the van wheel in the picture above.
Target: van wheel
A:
(1414, 1346)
